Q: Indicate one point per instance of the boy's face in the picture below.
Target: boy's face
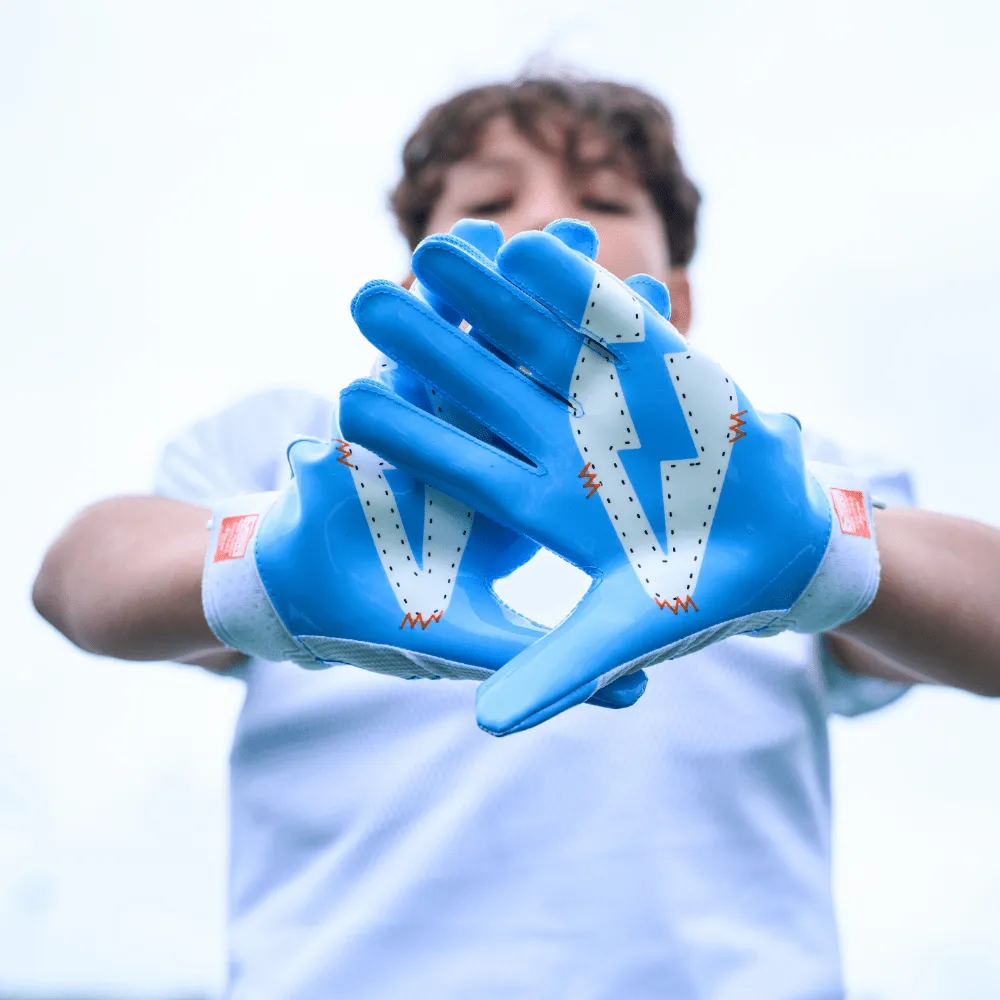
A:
(512, 181)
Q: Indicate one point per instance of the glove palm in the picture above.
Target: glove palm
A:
(628, 453)
(359, 562)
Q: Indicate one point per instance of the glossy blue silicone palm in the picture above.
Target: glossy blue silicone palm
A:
(364, 564)
(626, 452)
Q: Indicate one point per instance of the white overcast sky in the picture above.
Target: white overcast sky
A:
(190, 193)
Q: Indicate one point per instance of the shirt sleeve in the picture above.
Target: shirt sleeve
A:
(851, 694)
(242, 449)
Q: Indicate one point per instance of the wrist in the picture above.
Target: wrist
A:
(236, 604)
(847, 577)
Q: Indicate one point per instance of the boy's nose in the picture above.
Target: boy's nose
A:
(543, 207)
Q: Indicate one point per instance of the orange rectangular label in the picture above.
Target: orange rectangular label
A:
(234, 536)
(851, 511)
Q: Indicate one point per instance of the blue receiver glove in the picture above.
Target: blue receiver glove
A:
(634, 456)
(326, 571)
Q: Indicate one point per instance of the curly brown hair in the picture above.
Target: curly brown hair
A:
(638, 126)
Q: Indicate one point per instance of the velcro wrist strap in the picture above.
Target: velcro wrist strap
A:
(847, 577)
(237, 607)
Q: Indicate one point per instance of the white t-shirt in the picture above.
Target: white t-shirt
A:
(382, 846)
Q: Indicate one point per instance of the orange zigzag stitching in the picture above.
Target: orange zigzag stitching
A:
(737, 424)
(589, 477)
(413, 620)
(678, 603)
(345, 453)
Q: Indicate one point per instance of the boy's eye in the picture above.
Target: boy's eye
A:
(490, 207)
(605, 206)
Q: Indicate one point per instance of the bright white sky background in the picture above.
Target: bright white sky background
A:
(190, 193)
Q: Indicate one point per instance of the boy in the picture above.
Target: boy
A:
(381, 845)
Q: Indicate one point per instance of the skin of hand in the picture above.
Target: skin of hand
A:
(124, 580)
(935, 617)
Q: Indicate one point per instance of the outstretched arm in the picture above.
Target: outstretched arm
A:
(124, 580)
(936, 616)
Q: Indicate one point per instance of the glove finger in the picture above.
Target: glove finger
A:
(517, 326)
(431, 450)
(501, 398)
(654, 292)
(598, 643)
(577, 235)
(305, 449)
(487, 238)
(578, 291)
(484, 236)
(623, 692)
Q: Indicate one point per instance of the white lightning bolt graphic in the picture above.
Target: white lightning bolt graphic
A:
(691, 487)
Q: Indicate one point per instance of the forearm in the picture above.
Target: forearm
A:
(124, 580)
(936, 616)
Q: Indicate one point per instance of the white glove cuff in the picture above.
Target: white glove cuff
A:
(236, 604)
(847, 577)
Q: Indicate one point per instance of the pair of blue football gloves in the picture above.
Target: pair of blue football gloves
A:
(527, 397)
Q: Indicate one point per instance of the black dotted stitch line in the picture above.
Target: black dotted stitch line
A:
(401, 533)
(631, 499)
(618, 336)
(704, 524)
